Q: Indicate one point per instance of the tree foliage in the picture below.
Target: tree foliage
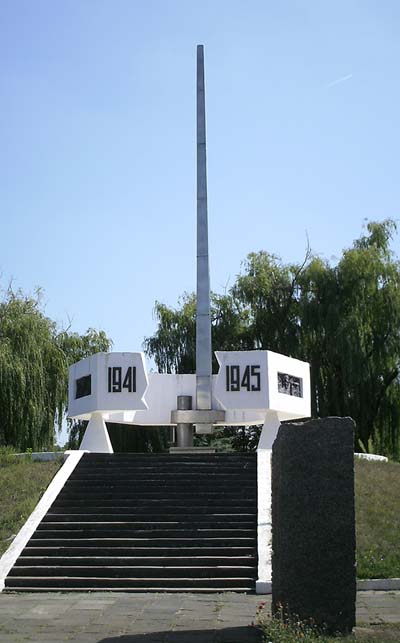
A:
(126, 438)
(34, 361)
(343, 318)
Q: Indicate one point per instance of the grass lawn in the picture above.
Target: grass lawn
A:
(22, 483)
(377, 519)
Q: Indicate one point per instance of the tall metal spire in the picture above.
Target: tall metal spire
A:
(203, 317)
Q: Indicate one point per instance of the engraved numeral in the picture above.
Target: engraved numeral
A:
(116, 383)
(250, 380)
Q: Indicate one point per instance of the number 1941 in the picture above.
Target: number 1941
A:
(249, 379)
(119, 382)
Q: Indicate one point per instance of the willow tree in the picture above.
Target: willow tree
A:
(350, 333)
(173, 345)
(34, 361)
(343, 318)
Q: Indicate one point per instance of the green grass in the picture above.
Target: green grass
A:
(22, 483)
(377, 519)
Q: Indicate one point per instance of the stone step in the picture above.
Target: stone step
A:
(148, 506)
(165, 472)
(133, 571)
(58, 583)
(119, 530)
(130, 590)
(129, 522)
(154, 518)
(152, 484)
(133, 561)
(137, 551)
(208, 480)
(112, 458)
(146, 495)
(150, 542)
(167, 467)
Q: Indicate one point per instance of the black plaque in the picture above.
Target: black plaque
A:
(83, 386)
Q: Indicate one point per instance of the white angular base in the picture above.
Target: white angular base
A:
(96, 438)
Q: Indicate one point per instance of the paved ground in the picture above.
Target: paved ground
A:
(153, 618)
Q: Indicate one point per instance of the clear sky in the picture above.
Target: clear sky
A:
(97, 143)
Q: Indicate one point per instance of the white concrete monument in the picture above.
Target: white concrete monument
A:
(102, 385)
(252, 387)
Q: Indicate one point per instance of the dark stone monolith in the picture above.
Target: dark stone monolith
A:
(313, 522)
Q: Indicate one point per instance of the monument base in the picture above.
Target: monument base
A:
(96, 438)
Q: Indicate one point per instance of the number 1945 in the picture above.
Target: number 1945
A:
(249, 379)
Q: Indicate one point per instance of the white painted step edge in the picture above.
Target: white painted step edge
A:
(383, 584)
(377, 584)
(7, 561)
(371, 457)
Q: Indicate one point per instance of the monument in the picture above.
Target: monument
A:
(252, 387)
(187, 521)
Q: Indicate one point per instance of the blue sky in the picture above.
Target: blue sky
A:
(97, 154)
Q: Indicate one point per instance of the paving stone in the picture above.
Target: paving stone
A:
(94, 605)
(152, 618)
(82, 639)
(48, 636)
(145, 627)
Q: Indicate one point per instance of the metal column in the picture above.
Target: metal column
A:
(203, 317)
(184, 431)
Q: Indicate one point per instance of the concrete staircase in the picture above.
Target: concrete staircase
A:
(147, 522)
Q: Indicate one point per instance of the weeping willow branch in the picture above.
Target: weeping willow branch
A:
(34, 361)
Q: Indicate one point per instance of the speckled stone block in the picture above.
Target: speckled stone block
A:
(313, 522)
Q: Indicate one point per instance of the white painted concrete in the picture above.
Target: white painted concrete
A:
(108, 392)
(243, 407)
(13, 552)
(161, 395)
(249, 380)
(371, 457)
(378, 584)
(96, 438)
(242, 380)
(294, 407)
(264, 521)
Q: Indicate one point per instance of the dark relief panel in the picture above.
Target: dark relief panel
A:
(290, 385)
